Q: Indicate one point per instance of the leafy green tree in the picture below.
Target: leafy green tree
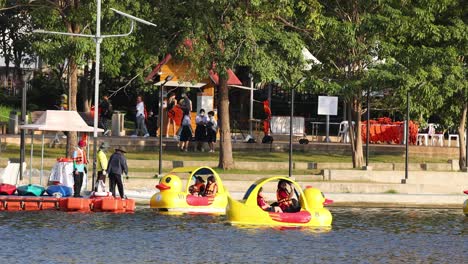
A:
(426, 46)
(348, 50)
(74, 16)
(264, 35)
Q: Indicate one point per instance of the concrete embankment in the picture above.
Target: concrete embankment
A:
(428, 185)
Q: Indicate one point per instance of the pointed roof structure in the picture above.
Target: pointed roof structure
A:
(232, 78)
(59, 120)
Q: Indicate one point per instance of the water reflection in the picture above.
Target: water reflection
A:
(358, 235)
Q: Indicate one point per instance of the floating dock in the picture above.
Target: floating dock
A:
(67, 204)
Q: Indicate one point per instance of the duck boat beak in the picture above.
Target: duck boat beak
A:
(162, 187)
(327, 202)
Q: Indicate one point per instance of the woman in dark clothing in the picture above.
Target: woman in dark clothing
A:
(117, 166)
(200, 130)
(186, 131)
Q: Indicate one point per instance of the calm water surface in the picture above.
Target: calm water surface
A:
(357, 236)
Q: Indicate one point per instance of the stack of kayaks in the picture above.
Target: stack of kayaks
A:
(59, 191)
(7, 189)
(31, 190)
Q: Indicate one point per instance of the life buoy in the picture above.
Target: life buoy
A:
(101, 194)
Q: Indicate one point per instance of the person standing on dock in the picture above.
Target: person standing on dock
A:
(101, 167)
(79, 167)
(117, 166)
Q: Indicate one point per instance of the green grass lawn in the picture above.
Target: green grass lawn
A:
(12, 151)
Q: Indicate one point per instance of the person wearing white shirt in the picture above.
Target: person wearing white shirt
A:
(211, 129)
(140, 118)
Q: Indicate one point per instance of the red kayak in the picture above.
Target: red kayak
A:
(7, 189)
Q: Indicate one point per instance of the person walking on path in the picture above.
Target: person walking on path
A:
(140, 118)
(200, 130)
(117, 167)
(211, 129)
(105, 114)
(101, 167)
(79, 167)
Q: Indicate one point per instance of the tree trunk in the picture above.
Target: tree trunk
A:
(225, 147)
(73, 84)
(461, 138)
(355, 133)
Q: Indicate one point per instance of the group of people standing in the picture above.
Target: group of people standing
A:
(114, 168)
(206, 125)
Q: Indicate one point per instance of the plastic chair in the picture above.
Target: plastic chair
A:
(455, 137)
(435, 138)
(343, 131)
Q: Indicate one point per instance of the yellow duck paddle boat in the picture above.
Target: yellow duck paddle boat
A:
(196, 197)
(310, 214)
(465, 204)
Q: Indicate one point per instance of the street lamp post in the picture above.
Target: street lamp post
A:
(368, 128)
(98, 39)
(291, 124)
(161, 123)
(407, 137)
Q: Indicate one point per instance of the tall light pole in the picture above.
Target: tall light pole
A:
(98, 39)
(368, 128)
(291, 125)
(407, 136)
(161, 123)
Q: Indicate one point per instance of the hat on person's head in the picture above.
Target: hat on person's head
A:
(121, 149)
(104, 145)
(81, 143)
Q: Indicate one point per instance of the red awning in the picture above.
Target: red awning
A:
(232, 80)
(158, 67)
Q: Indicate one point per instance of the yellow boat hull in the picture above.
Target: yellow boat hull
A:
(311, 214)
(238, 213)
(177, 202)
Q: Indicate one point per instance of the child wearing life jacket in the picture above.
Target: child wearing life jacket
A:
(261, 201)
(198, 188)
(284, 197)
(211, 186)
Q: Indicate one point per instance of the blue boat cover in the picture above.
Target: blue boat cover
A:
(64, 191)
(30, 190)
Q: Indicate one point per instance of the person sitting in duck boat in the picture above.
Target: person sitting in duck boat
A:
(211, 186)
(198, 188)
(261, 201)
(284, 197)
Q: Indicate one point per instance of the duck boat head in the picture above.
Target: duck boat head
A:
(170, 183)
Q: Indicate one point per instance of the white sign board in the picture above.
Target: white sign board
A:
(204, 102)
(327, 105)
(280, 125)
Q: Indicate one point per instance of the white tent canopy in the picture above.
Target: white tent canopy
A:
(181, 84)
(59, 120)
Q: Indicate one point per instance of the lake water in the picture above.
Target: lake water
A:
(357, 236)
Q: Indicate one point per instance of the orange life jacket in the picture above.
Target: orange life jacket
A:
(210, 189)
(80, 157)
(196, 188)
(283, 202)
